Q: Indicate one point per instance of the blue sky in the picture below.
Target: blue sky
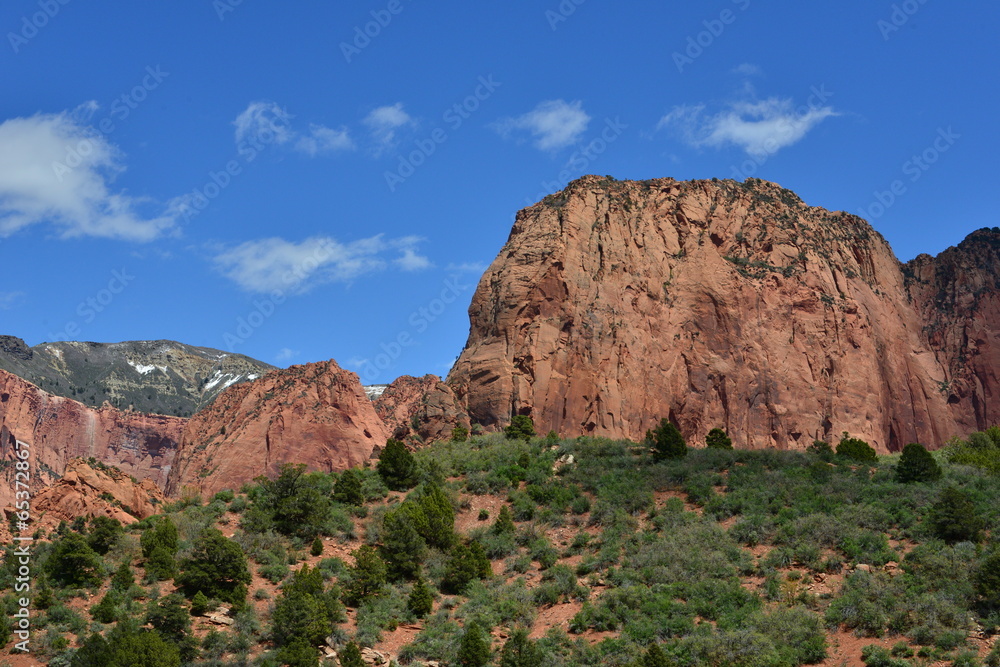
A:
(319, 180)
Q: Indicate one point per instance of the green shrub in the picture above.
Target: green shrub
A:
(420, 601)
(856, 450)
(367, 578)
(954, 517)
(474, 648)
(217, 567)
(396, 466)
(466, 562)
(73, 563)
(666, 441)
(521, 427)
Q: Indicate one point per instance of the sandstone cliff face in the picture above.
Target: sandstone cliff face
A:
(95, 490)
(58, 430)
(315, 414)
(420, 411)
(957, 296)
(713, 303)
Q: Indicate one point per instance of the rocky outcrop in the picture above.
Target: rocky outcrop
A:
(58, 430)
(419, 411)
(317, 414)
(90, 489)
(715, 303)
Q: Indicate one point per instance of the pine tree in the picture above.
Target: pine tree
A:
(856, 449)
(521, 651)
(367, 577)
(351, 656)
(218, 567)
(954, 517)
(504, 524)
(403, 548)
(396, 466)
(667, 441)
(317, 547)
(199, 604)
(521, 428)
(718, 439)
(916, 464)
(124, 578)
(421, 600)
(474, 648)
(348, 490)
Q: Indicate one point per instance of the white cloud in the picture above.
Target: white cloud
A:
(748, 69)
(10, 299)
(286, 354)
(758, 127)
(56, 169)
(383, 123)
(323, 139)
(411, 261)
(468, 267)
(263, 122)
(554, 124)
(272, 264)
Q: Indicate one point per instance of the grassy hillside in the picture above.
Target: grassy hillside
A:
(542, 552)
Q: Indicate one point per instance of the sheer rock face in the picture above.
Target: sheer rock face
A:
(957, 297)
(58, 430)
(315, 414)
(421, 410)
(716, 303)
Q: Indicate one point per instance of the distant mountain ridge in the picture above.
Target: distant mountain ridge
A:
(156, 377)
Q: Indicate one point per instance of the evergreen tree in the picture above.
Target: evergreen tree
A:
(172, 620)
(217, 567)
(351, 656)
(666, 441)
(367, 577)
(347, 490)
(986, 581)
(200, 604)
(294, 503)
(521, 651)
(459, 434)
(435, 520)
(317, 547)
(403, 548)
(299, 653)
(856, 449)
(718, 439)
(106, 611)
(161, 564)
(916, 464)
(73, 563)
(127, 646)
(466, 563)
(124, 578)
(655, 657)
(504, 524)
(521, 428)
(162, 534)
(421, 600)
(104, 534)
(396, 466)
(304, 610)
(954, 518)
(474, 647)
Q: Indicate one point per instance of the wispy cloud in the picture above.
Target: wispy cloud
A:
(10, 299)
(270, 264)
(323, 139)
(468, 267)
(286, 354)
(761, 126)
(266, 123)
(56, 169)
(553, 124)
(748, 69)
(263, 122)
(384, 122)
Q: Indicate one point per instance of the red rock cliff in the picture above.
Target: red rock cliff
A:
(315, 414)
(58, 430)
(420, 410)
(714, 303)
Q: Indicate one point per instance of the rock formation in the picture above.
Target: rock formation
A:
(717, 303)
(58, 430)
(315, 414)
(419, 411)
(90, 489)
